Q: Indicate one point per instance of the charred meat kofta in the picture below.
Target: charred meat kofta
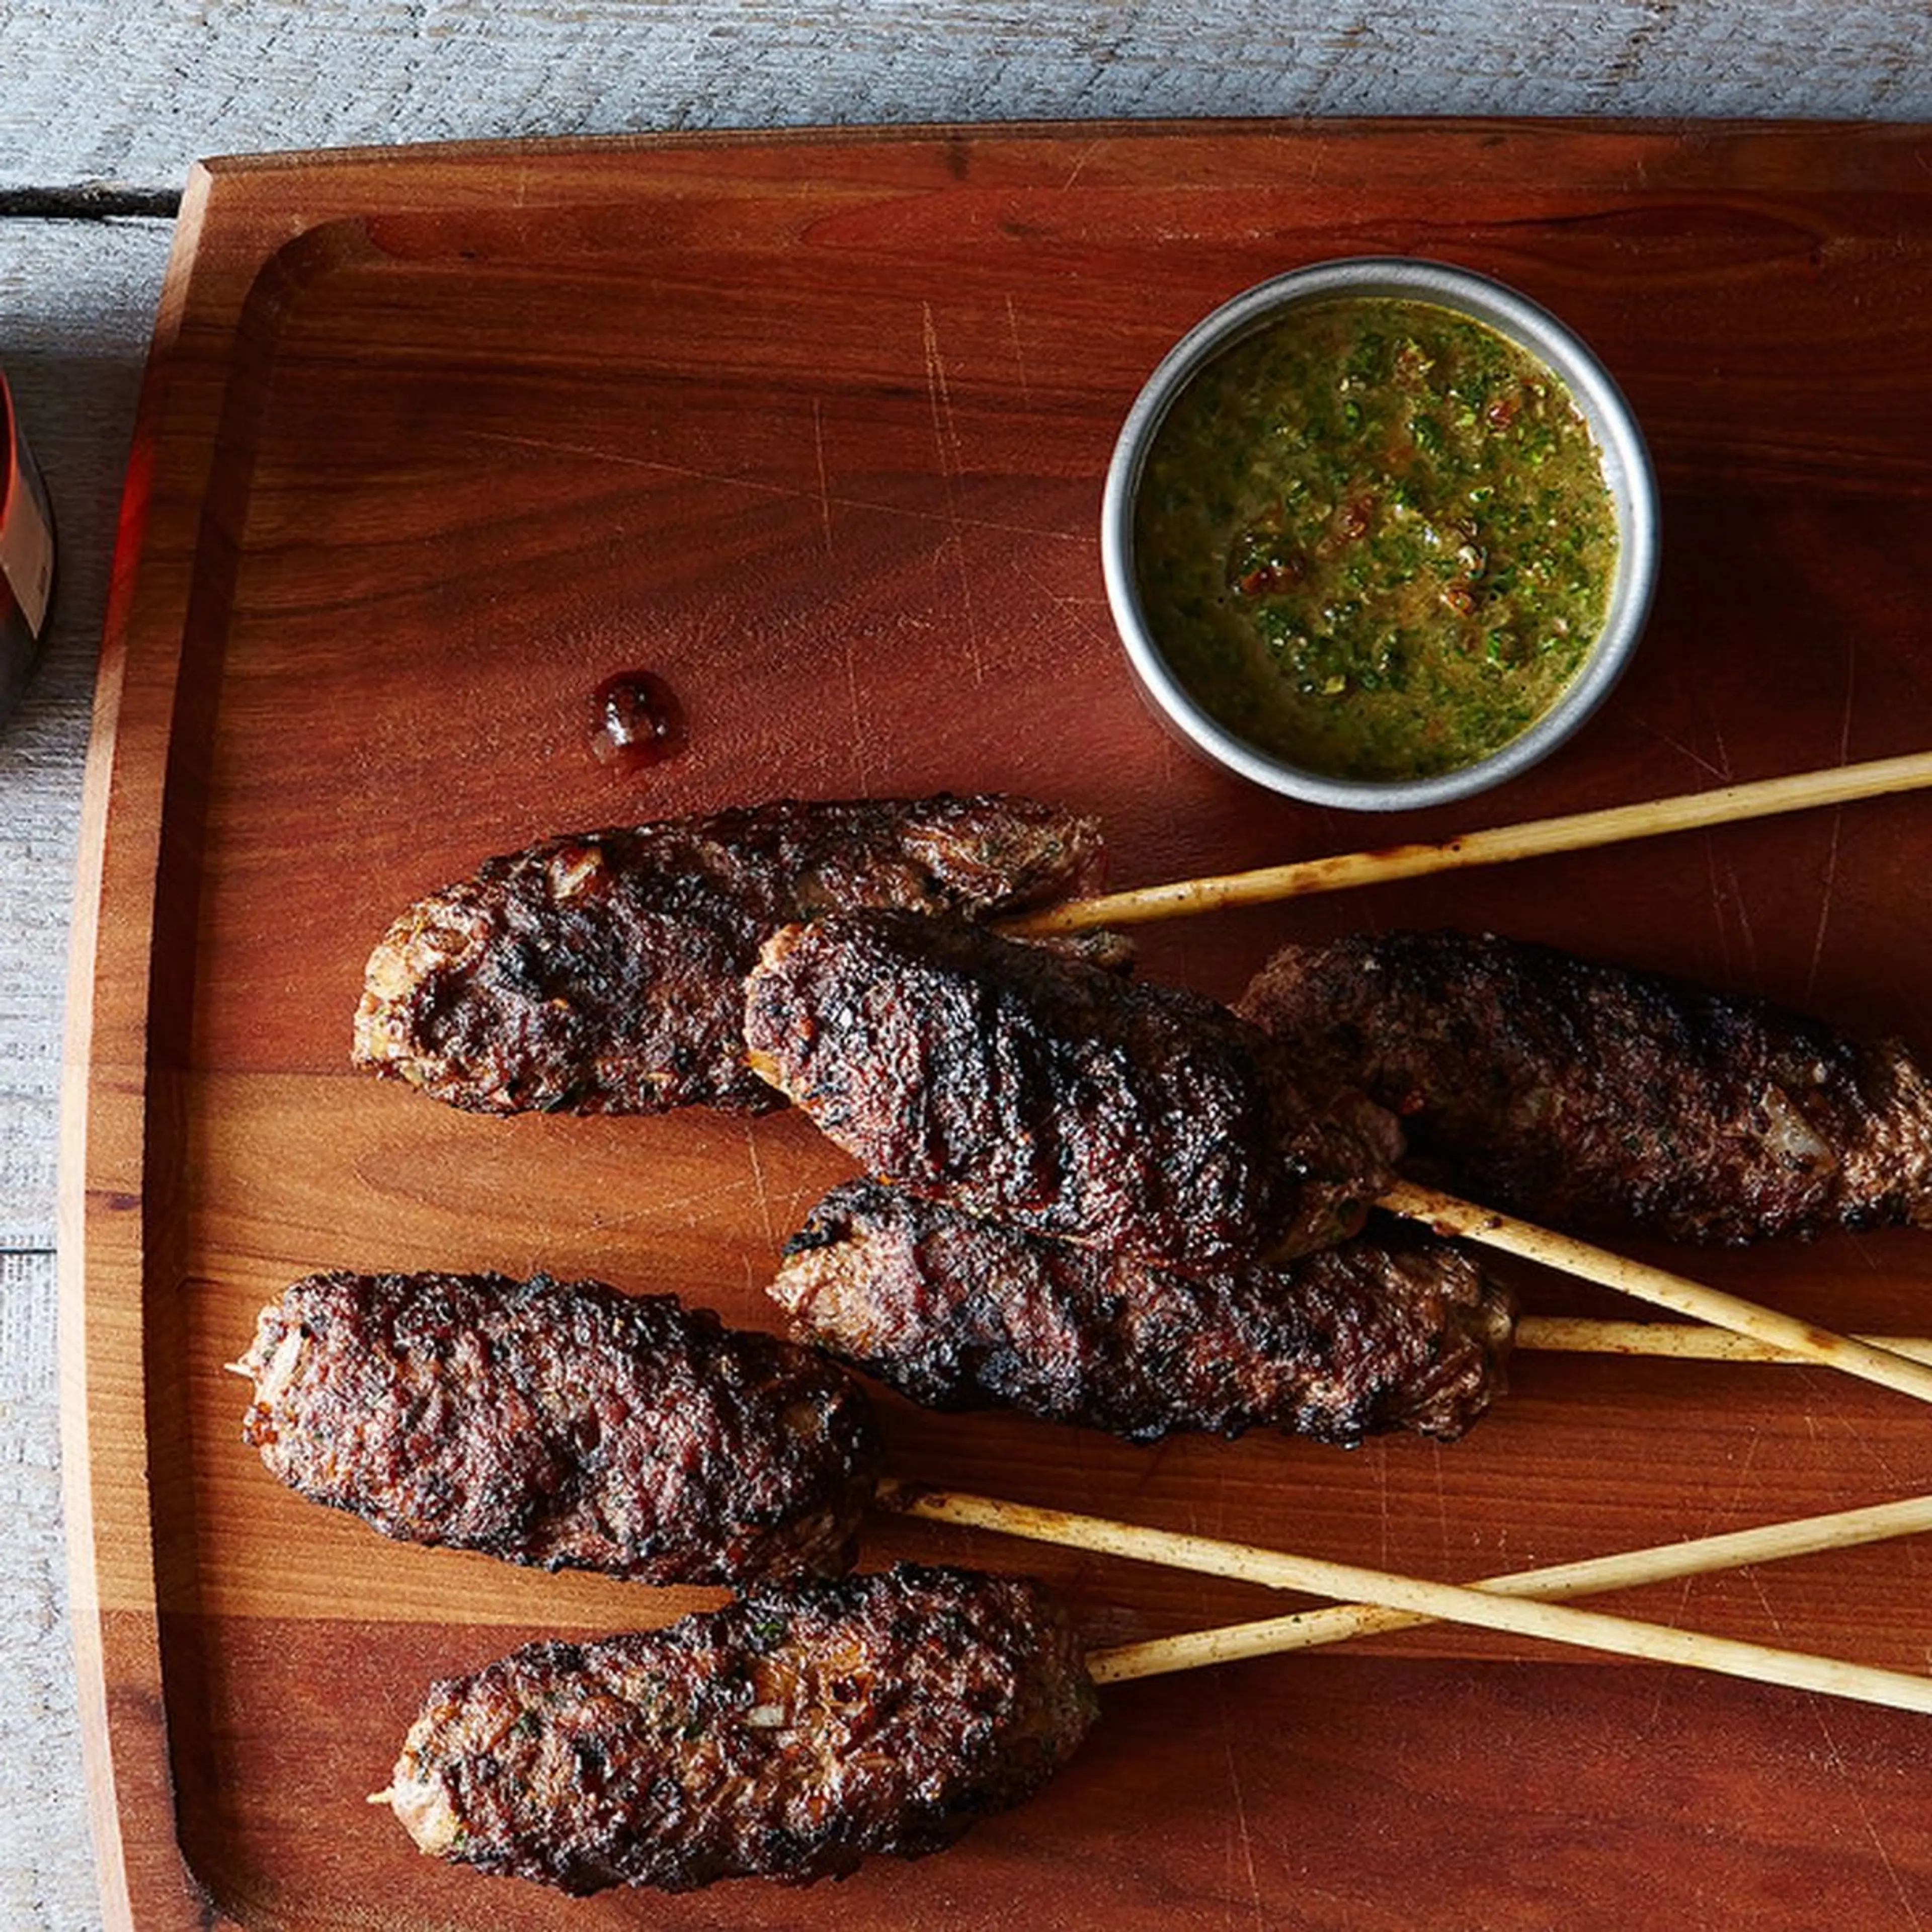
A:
(602, 972)
(787, 1736)
(1048, 1093)
(1395, 1331)
(561, 1424)
(1600, 1098)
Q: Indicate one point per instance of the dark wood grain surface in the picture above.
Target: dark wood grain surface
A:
(814, 429)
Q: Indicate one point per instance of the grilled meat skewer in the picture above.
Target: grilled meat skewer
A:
(602, 972)
(787, 1736)
(562, 1425)
(1598, 1097)
(1402, 1331)
(1049, 1093)
(784, 1736)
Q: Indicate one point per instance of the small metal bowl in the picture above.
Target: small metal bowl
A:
(1626, 472)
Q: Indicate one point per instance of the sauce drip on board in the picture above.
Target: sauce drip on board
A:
(636, 722)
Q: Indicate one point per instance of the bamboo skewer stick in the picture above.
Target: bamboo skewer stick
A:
(1449, 1216)
(1725, 804)
(1661, 1563)
(1234, 1642)
(1349, 1583)
(1566, 1334)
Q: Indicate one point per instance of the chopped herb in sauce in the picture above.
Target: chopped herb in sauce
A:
(1374, 538)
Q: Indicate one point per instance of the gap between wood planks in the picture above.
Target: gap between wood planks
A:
(88, 201)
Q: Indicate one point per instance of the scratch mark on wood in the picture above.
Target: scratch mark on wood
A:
(1727, 898)
(1666, 1683)
(859, 736)
(946, 435)
(1441, 1499)
(952, 518)
(1829, 882)
(1836, 1432)
(945, 430)
(819, 466)
(1765, 1604)
(1721, 757)
(1019, 351)
(761, 1192)
(1827, 888)
(1085, 155)
(1746, 1486)
(1082, 617)
(1710, 768)
(1243, 1837)
(1834, 1757)
(551, 445)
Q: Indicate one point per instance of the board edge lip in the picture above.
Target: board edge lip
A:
(95, 1208)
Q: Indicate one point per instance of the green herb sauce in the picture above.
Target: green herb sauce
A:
(1374, 538)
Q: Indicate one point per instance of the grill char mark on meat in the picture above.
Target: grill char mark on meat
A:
(1041, 1090)
(1600, 1098)
(602, 972)
(786, 1735)
(1402, 1331)
(562, 1425)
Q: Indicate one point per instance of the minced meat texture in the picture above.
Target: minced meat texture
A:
(786, 1736)
(561, 1424)
(1600, 1098)
(1056, 1096)
(602, 972)
(1400, 1330)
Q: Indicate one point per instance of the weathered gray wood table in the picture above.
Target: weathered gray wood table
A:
(105, 102)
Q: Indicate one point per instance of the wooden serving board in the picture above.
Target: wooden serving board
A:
(813, 428)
